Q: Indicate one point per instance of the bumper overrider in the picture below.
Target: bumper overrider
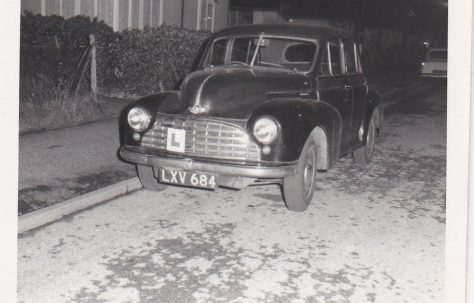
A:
(132, 154)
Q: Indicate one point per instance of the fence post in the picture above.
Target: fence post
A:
(93, 67)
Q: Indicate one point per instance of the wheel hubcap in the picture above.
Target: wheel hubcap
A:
(370, 138)
(308, 173)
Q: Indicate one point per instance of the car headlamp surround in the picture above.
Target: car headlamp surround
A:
(138, 119)
(265, 130)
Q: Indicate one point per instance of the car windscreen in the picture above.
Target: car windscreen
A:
(276, 52)
(437, 55)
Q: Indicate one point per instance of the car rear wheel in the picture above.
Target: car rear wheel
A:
(298, 189)
(147, 178)
(364, 154)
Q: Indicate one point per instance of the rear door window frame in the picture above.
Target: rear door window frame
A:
(358, 67)
(327, 55)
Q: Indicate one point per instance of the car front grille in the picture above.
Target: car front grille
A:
(204, 138)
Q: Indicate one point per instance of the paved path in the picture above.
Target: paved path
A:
(61, 164)
(371, 234)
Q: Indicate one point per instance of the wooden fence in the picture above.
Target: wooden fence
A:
(89, 56)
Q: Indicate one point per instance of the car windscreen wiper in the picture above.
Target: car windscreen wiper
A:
(260, 38)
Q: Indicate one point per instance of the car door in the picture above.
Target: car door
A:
(357, 81)
(334, 87)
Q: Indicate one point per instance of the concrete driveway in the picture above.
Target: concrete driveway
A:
(371, 234)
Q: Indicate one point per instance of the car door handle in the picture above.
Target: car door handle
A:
(348, 95)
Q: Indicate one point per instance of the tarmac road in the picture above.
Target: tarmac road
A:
(371, 234)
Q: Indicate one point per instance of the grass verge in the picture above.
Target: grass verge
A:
(58, 113)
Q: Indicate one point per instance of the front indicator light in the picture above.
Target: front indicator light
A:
(266, 150)
(136, 136)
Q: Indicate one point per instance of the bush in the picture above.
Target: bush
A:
(156, 58)
(51, 47)
(129, 64)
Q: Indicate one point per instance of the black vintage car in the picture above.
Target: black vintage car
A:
(266, 104)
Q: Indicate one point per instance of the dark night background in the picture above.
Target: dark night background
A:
(395, 33)
(424, 16)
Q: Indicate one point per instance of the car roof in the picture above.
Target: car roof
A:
(317, 32)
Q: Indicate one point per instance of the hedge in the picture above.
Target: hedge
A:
(51, 47)
(130, 63)
(156, 57)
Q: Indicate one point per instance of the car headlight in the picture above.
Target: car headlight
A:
(265, 130)
(138, 119)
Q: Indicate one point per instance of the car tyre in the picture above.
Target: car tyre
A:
(147, 178)
(298, 189)
(364, 154)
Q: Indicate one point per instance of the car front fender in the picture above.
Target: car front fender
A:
(297, 118)
(162, 102)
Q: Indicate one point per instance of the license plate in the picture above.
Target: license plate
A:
(187, 178)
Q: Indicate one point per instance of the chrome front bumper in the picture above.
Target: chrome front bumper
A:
(261, 172)
(435, 75)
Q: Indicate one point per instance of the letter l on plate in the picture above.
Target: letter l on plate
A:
(176, 140)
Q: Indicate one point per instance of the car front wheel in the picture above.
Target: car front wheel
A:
(298, 189)
(147, 178)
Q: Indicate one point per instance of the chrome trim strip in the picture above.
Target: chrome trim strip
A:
(435, 75)
(197, 108)
(211, 167)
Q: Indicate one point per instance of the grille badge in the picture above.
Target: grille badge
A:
(197, 109)
(187, 164)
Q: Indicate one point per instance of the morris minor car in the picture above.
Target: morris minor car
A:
(266, 104)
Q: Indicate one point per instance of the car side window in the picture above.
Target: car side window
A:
(335, 52)
(217, 56)
(349, 57)
(325, 70)
(242, 50)
(331, 62)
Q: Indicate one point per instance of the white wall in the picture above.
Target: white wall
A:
(123, 14)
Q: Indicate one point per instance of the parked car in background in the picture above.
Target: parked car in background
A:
(267, 104)
(435, 64)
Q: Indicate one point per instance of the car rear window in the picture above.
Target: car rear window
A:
(300, 52)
